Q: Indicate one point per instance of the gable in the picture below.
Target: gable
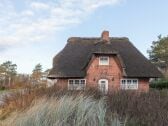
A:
(113, 68)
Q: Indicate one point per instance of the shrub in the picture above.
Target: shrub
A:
(161, 84)
(140, 109)
(2, 88)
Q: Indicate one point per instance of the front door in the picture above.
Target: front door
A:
(103, 85)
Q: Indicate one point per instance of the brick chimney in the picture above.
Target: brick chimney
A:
(105, 36)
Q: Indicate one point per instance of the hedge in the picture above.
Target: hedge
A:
(161, 84)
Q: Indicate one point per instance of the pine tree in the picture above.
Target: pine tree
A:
(159, 53)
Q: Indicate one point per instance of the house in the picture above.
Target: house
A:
(46, 80)
(106, 63)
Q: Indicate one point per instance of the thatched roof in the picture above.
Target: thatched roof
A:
(72, 61)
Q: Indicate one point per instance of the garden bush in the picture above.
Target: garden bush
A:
(160, 84)
(2, 88)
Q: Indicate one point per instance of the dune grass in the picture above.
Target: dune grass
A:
(65, 111)
(55, 107)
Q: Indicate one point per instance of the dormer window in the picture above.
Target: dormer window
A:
(103, 60)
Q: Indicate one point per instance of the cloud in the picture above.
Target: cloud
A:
(27, 13)
(36, 21)
(39, 5)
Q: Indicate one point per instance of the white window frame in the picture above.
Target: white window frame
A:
(79, 88)
(130, 86)
(100, 61)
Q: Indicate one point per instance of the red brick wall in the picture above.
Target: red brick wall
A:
(62, 83)
(143, 84)
(112, 72)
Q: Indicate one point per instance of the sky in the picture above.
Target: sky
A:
(34, 31)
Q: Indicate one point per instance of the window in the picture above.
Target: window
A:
(76, 84)
(129, 81)
(70, 81)
(135, 81)
(82, 81)
(131, 84)
(104, 60)
(103, 82)
(123, 81)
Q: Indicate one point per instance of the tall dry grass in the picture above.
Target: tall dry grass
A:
(65, 111)
(64, 107)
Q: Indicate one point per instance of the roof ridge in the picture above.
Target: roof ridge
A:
(72, 39)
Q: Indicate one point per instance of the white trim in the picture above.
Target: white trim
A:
(106, 85)
(127, 86)
(74, 80)
(100, 63)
